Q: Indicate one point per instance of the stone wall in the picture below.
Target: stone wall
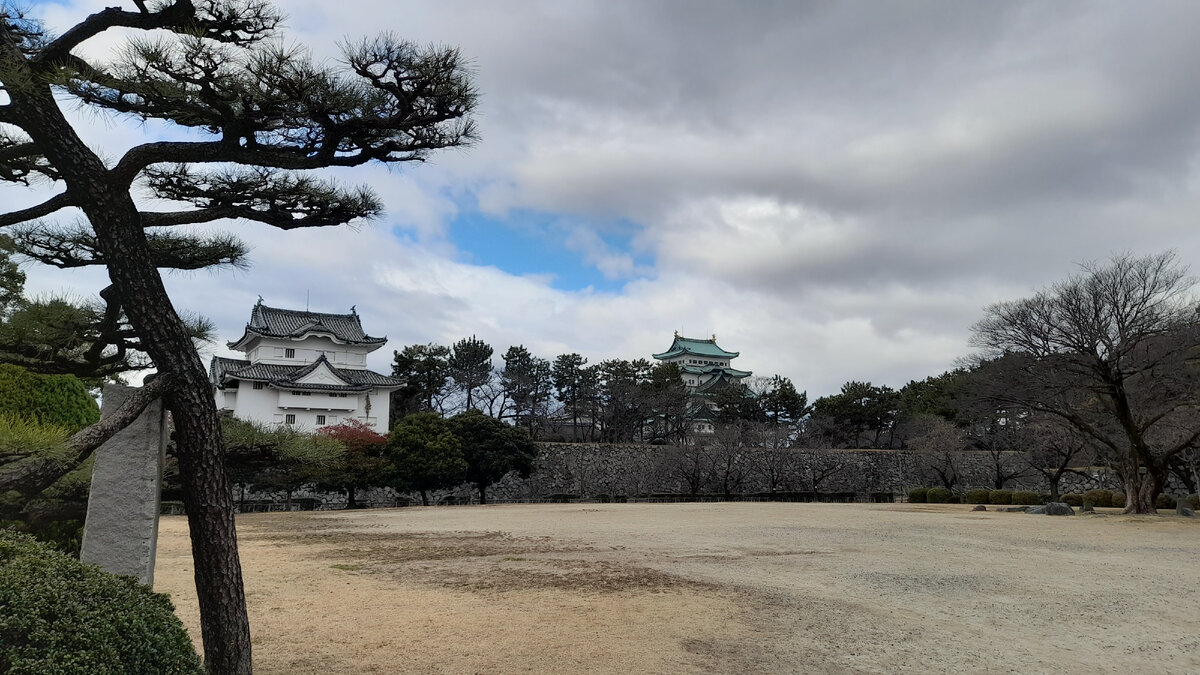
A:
(591, 470)
(583, 469)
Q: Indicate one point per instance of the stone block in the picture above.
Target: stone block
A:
(121, 530)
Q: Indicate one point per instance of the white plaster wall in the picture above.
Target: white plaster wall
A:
(270, 350)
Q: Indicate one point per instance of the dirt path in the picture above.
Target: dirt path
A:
(710, 588)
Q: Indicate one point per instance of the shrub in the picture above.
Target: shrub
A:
(1000, 496)
(978, 496)
(1164, 501)
(1026, 498)
(938, 495)
(1100, 498)
(61, 616)
(918, 495)
(1117, 499)
(955, 499)
(55, 400)
(1073, 499)
(1194, 500)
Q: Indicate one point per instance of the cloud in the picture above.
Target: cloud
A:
(835, 190)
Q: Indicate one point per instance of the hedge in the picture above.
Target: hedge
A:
(61, 617)
(1101, 498)
(1072, 499)
(1023, 497)
(1164, 501)
(1000, 497)
(938, 495)
(979, 497)
(1116, 499)
(918, 495)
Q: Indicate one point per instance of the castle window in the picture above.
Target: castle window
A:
(320, 420)
(289, 419)
(289, 353)
(304, 393)
(260, 385)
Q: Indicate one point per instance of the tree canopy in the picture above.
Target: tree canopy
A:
(1111, 352)
(425, 454)
(492, 449)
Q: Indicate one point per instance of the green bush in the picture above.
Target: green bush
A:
(1072, 499)
(978, 496)
(60, 616)
(1101, 498)
(1117, 499)
(918, 495)
(1026, 498)
(955, 499)
(1000, 496)
(1194, 500)
(57, 400)
(938, 495)
(1164, 501)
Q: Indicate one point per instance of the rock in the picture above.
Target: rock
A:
(1053, 509)
(979, 507)
(1184, 509)
(1013, 509)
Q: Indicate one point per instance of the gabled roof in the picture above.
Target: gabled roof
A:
(683, 345)
(296, 324)
(287, 377)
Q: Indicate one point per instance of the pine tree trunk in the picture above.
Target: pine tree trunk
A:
(207, 494)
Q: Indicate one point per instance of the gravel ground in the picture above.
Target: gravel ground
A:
(749, 588)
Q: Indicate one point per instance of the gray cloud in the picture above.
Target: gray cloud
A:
(835, 189)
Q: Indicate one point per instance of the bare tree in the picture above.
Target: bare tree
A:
(819, 467)
(1052, 448)
(1110, 352)
(255, 112)
(940, 447)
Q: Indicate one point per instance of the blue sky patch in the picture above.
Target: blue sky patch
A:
(575, 253)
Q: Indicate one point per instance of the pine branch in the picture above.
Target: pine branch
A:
(55, 203)
(77, 247)
(278, 199)
(20, 157)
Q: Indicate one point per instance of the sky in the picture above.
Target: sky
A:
(835, 190)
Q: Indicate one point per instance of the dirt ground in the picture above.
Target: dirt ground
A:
(689, 588)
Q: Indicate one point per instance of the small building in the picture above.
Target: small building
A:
(703, 364)
(304, 369)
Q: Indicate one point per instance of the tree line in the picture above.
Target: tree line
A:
(1097, 370)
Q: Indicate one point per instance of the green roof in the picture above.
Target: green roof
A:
(705, 370)
(683, 345)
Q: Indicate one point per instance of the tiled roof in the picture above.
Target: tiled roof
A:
(221, 365)
(284, 377)
(703, 370)
(683, 345)
(292, 323)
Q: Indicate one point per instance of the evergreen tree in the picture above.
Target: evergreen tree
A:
(425, 370)
(568, 376)
(470, 366)
(254, 111)
(425, 455)
(492, 449)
